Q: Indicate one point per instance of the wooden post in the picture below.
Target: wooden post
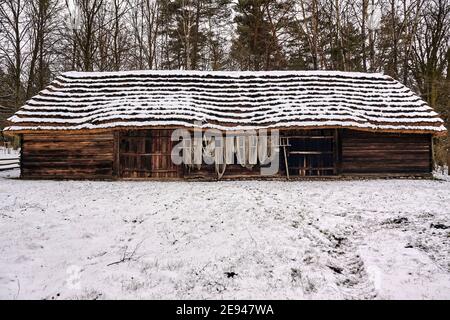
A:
(116, 155)
(432, 154)
(284, 144)
(21, 137)
(448, 160)
(286, 162)
(448, 150)
(335, 152)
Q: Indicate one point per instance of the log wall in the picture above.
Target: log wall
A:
(385, 153)
(96, 156)
(67, 156)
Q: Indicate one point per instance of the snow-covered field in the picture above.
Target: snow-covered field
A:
(378, 239)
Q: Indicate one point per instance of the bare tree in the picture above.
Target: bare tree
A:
(307, 23)
(186, 22)
(84, 39)
(430, 49)
(43, 21)
(14, 28)
(152, 18)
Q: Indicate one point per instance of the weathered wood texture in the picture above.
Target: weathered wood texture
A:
(385, 153)
(147, 154)
(67, 156)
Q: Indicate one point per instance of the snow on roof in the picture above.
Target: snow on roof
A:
(226, 100)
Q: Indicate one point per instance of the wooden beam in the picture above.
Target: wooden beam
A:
(91, 131)
(431, 153)
(21, 137)
(335, 152)
(310, 152)
(116, 163)
(448, 160)
(285, 159)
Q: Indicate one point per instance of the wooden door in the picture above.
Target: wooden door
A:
(146, 154)
(161, 162)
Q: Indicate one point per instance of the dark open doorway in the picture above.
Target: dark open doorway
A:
(310, 152)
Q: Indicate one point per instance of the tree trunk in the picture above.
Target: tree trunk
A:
(363, 34)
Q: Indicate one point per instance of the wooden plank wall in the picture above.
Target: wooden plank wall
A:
(147, 154)
(67, 156)
(134, 153)
(385, 153)
(95, 156)
(161, 161)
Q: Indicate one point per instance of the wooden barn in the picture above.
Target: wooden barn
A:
(118, 125)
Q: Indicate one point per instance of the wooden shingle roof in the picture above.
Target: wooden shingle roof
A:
(226, 101)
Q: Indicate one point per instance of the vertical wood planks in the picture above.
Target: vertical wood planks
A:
(147, 154)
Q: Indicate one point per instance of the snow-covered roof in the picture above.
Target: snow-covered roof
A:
(226, 101)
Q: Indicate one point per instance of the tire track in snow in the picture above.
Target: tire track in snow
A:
(351, 277)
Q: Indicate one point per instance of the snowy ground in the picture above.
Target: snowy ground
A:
(379, 239)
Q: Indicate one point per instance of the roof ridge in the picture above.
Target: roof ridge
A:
(274, 73)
